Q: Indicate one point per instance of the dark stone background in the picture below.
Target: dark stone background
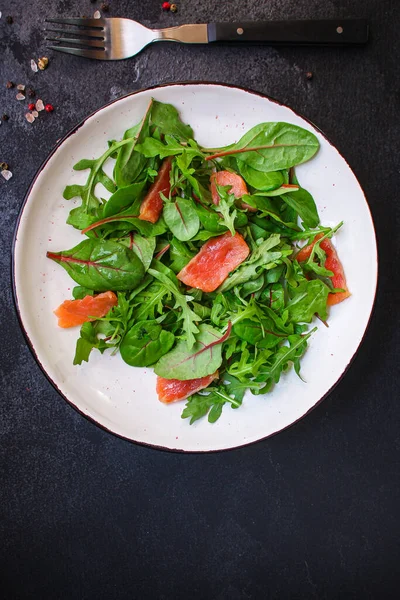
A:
(311, 513)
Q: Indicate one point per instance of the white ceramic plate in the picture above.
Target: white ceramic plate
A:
(122, 399)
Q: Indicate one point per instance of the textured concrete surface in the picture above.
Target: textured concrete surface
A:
(311, 513)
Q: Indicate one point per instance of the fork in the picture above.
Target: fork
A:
(117, 38)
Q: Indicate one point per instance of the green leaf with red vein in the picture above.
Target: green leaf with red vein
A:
(203, 359)
(101, 265)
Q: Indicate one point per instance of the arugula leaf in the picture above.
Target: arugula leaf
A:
(203, 359)
(187, 315)
(145, 343)
(226, 203)
(307, 299)
(262, 258)
(271, 372)
(86, 192)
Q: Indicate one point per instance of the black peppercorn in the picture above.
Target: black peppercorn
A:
(9, 20)
(5, 117)
(31, 92)
(105, 7)
(309, 75)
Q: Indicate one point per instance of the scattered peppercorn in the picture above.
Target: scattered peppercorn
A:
(105, 7)
(9, 85)
(166, 6)
(5, 117)
(31, 106)
(31, 92)
(43, 62)
(93, 1)
(10, 20)
(4, 166)
(309, 75)
(49, 108)
(173, 8)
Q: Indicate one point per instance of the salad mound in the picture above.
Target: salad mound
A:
(192, 265)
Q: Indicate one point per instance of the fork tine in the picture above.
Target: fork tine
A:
(95, 34)
(99, 54)
(78, 41)
(97, 23)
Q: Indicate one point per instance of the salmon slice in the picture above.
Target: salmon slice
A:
(237, 183)
(216, 259)
(152, 205)
(172, 390)
(332, 263)
(76, 312)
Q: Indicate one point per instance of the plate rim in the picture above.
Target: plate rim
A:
(30, 345)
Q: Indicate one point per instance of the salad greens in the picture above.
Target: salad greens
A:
(254, 326)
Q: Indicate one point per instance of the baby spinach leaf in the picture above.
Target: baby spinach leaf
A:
(204, 358)
(261, 180)
(304, 205)
(123, 198)
(272, 147)
(181, 218)
(145, 343)
(167, 118)
(129, 162)
(79, 292)
(307, 299)
(144, 248)
(101, 265)
(127, 216)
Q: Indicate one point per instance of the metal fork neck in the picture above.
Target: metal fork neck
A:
(188, 34)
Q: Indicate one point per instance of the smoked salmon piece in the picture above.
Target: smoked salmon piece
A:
(237, 183)
(172, 390)
(216, 259)
(152, 205)
(333, 264)
(76, 312)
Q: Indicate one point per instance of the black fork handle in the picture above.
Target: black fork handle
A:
(326, 32)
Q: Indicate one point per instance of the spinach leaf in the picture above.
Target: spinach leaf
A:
(144, 248)
(167, 118)
(303, 203)
(272, 147)
(127, 216)
(181, 217)
(204, 358)
(261, 180)
(145, 343)
(129, 162)
(101, 265)
(123, 198)
(79, 292)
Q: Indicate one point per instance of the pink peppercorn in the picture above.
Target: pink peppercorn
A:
(49, 108)
(166, 5)
(31, 106)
